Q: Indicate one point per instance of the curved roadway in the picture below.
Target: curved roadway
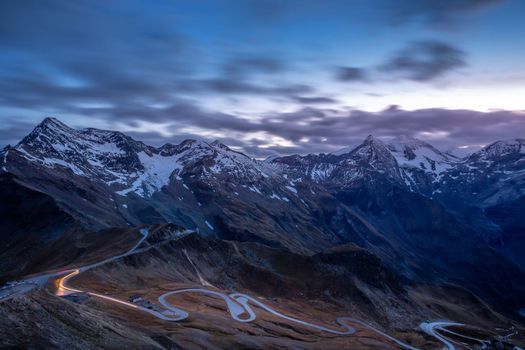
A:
(237, 303)
(431, 329)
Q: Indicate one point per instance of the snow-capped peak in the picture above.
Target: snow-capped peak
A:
(500, 148)
(372, 147)
(370, 139)
(54, 122)
(128, 165)
(414, 153)
(402, 141)
(50, 128)
(219, 144)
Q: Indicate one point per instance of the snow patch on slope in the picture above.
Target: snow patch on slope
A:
(416, 154)
(156, 174)
(51, 162)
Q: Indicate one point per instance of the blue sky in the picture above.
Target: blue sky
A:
(267, 76)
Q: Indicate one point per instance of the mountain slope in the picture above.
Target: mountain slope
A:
(404, 201)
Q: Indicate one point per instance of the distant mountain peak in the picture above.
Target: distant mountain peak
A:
(218, 143)
(52, 121)
(373, 142)
(500, 148)
(374, 154)
(189, 143)
(52, 124)
(403, 143)
(46, 131)
(127, 165)
(508, 142)
(370, 138)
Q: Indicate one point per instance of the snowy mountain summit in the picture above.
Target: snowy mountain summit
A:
(127, 166)
(411, 152)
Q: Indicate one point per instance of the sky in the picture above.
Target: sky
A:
(267, 77)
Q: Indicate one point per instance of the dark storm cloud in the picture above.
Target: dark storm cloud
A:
(438, 14)
(444, 128)
(349, 74)
(58, 54)
(232, 86)
(137, 64)
(310, 130)
(321, 130)
(421, 61)
(241, 76)
(37, 91)
(313, 100)
(425, 60)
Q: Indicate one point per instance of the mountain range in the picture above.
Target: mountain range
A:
(428, 216)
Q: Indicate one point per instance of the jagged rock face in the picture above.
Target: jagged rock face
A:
(422, 165)
(493, 175)
(368, 161)
(409, 162)
(106, 179)
(403, 200)
(89, 152)
(126, 165)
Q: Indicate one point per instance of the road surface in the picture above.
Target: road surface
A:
(239, 304)
(431, 328)
(17, 288)
(167, 315)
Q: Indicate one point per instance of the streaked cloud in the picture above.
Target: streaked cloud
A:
(350, 74)
(437, 14)
(251, 71)
(305, 130)
(425, 60)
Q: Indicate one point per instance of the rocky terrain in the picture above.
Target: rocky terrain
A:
(318, 288)
(393, 232)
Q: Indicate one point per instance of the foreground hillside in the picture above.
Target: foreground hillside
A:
(315, 289)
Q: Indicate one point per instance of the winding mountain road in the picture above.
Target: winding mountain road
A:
(21, 287)
(167, 315)
(431, 328)
(238, 303)
(64, 289)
